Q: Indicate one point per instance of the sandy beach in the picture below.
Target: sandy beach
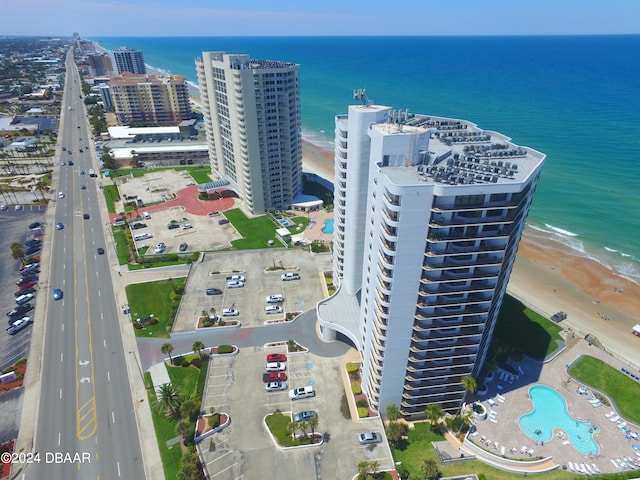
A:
(549, 277)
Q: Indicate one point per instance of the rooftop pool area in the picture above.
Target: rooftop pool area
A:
(550, 413)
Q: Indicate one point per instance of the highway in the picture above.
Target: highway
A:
(86, 425)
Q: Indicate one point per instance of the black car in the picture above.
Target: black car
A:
(26, 279)
(33, 241)
(19, 311)
(214, 291)
(183, 247)
(138, 225)
(25, 291)
(33, 249)
(171, 226)
(34, 225)
(70, 162)
(100, 251)
(86, 216)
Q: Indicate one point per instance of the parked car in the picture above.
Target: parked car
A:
(302, 392)
(369, 437)
(22, 299)
(230, 312)
(25, 291)
(57, 294)
(187, 226)
(305, 416)
(214, 291)
(22, 281)
(290, 276)
(235, 278)
(34, 225)
(183, 247)
(276, 357)
(160, 248)
(275, 386)
(558, 317)
(18, 325)
(274, 377)
(30, 267)
(235, 284)
(275, 367)
(19, 310)
(29, 284)
(275, 298)
(171, 226)
(138, 225)
(269, 309)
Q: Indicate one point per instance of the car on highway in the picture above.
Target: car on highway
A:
(70, 162)
(269, 309)
(369, 437)
(305, 416)
(81, 172)
(18, 325)
(290, 276)
(230, 312)
(275, 386)
(214, 291)
(60, 194)
(302, 392)
(57, 294)
(100, 251)
(235, 284)
(276, 357)
(59, 226)
(86, 216)
(274, 377)
(63, 163)
(275, 298)
(83, 187)
(3, 207)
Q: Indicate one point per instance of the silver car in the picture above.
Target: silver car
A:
(369, 437)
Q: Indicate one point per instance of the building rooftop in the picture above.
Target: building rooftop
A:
(458, 152)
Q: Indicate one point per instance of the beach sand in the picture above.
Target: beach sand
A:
(549, 277)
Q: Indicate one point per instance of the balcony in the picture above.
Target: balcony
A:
(450, 336)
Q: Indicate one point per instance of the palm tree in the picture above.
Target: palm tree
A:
(313, 423)
(303, 428)
(167, 348)
(291, 428)
(168, 400)
(198, 346)
(182, 428)
(393, 413)
(363, 469)
(395, 432)
(433, 413)
(469, 383)
(17, 252)
(430, 469)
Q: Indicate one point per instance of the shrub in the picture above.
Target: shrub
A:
(137, 326)
(221, 322)
(362, 403)
(197, 362)
(225, 349)
(214, 420)
(352, 367)
(153, 321)
(363, 412)
(177, 361)
(185, 363)
(21, 361)
(356, 389)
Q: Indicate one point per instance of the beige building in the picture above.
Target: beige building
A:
(150, 99)
(252, 118)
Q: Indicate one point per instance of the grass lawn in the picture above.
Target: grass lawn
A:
(277, 423)
(157, 298)
(200, 174)
(122, 249)
(623, 390)
(165, 430)
(522, 328)
(185, 379)
(419, 449)
(111, 194)
(256, 232)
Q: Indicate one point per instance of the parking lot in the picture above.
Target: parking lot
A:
(260, 282)
(245, 449)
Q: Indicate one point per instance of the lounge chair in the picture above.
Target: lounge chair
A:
(622, 425)
(587, 468)
(493, 413)
(571, 466)
(614, 419)
(502, 450)
(523, 449)
(495, 445)
(566, 442)
(595, 468)
(521, 370)
(615, 464)
(531, 452)
(493, 420)
(491, 402)
(610, 414)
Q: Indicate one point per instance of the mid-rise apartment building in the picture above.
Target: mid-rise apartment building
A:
(251, 110)
(428, 215)
(126, 60)
(150, 99)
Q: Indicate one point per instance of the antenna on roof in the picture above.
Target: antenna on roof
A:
(361, 94)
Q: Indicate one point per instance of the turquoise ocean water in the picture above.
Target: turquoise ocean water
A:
(575, 98)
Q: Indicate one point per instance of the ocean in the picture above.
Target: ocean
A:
(575, 98)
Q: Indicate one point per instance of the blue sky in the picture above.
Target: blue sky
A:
(324, 17)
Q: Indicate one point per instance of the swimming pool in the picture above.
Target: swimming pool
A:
(328, 226)
(549, 413)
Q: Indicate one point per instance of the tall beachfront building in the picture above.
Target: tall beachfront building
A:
(150, 99)
(428, 215)
(127, 60)
(251, 110)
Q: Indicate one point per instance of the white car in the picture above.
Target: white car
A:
(160, 248)
(235, 278)
(235, 284)
(230, 312)
(275, 386)
(60, 194)
(18, 325)
(369, 437)
(187, 226)
(302, 392)
(272, 309)
(290, 276)
(275, 298)
(275, 367)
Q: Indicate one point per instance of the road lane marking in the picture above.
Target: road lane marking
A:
(61, 356)
(60, 394)
(113, 417)
(59, 438)
(119, 469)
(108, 376)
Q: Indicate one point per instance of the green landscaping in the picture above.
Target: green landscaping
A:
(256, 232)
(122, 248)
(280, 427)
(521, 328)
(111, 194)
(619, 387)
(160, 299)
(199, 173)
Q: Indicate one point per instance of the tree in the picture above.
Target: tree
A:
(167, 348)
(303, 425)
(17, 252)
(395, 432)
(313, 424)
(433, 413)
(469, 383)
(393, 413)
(182, 428)
(363, 470)
(190, 409)
(168, 400)
(198, 346)
(430, 469)
(291, 428)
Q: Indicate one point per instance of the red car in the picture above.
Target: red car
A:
(30, 283)
(274, 377)
(276, 357)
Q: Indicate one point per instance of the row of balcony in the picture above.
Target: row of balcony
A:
(469, 235)
(484, 246)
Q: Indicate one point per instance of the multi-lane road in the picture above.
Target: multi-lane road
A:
(86, 427)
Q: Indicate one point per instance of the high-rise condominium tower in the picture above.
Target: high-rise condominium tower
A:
(252, 117)
(127, 60)
(428, 215)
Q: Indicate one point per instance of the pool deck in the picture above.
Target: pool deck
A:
(313, 232)
(506, 431)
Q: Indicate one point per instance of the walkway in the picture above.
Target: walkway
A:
(159, 375)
